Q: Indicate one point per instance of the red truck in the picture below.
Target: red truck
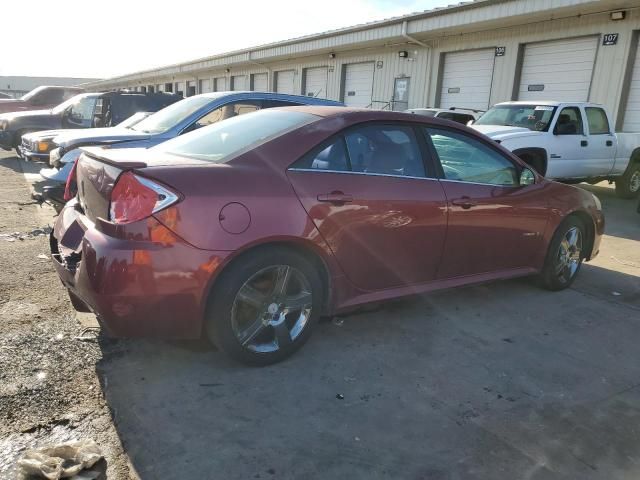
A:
(40, 98)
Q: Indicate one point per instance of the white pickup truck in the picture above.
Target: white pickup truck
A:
(571, 142)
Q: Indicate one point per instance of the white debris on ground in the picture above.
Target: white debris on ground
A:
(66, 460)
(38, 232)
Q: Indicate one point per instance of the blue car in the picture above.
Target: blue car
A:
(181, 117)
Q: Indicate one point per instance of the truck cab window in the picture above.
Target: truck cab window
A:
(597, 121)
(569, 122)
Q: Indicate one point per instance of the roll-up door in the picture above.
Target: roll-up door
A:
(259, 82)
(284, 81)
(315, 82)
(358, 84)
(239, 82)
(558, 70)
(467, 78)
(220, 84)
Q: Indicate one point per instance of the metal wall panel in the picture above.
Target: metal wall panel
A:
(260, 82)
(285, 82)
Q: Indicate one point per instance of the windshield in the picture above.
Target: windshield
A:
(218, 141)
(172, 115)
(533, 117)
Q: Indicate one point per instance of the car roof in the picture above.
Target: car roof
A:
(366, 114)
(269, 96)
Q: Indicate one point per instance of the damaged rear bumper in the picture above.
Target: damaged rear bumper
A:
(136, 288)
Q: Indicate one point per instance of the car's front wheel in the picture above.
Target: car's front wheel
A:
(263, 308)
(565, 255)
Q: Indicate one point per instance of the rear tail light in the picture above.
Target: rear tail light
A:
(71, 187)
(134, 198)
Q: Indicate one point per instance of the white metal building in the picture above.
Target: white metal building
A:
(16, 86)
(472, 55)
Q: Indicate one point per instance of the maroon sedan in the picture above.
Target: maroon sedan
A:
(250, 229)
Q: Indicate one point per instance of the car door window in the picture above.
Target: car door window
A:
(385, 150)
(82, 113)
(597, 121)
(330, 156)
(569, 122)
(466, 159)
(224, 112)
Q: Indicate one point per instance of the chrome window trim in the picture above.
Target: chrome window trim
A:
(322, 170)
(479, 183)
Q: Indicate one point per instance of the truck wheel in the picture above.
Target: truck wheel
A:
(628, 185)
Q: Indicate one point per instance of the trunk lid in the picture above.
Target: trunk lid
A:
(99, 168)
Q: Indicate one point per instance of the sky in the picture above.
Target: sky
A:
(101, 39)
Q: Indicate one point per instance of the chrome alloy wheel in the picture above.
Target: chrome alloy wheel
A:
(569, 255)
(271, 308)
(634, 182)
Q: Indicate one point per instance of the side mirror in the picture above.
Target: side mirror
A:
(527, 177)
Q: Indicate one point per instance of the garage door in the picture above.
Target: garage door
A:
(558, 70)
(466, 79)
(632, 110)
(259, 82)
(284, 82)
(205, 86)
(220, 84)
(239, 82)
(315, 82)
(358, 84)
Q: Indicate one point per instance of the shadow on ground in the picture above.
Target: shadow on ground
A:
(495, 381)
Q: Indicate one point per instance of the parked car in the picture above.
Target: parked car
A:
(57, 177)
(460, 115)
(570, 142)
(40, 98)
(4, 95)
(84, 111)
(180, 118)
(249, 229)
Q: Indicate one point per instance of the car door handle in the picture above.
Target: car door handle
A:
(584, 143)
(609, 143)
(464, 202)
(337, 198)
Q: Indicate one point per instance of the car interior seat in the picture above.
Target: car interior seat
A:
(566, 126)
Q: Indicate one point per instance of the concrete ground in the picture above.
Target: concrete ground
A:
(499, 381)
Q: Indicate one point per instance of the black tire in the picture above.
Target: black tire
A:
(550, 278)
(628, 185)
(219, 325)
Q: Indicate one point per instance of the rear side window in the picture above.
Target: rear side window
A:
(597, 120)
(227, 111)
(220, 141)
(371, 149)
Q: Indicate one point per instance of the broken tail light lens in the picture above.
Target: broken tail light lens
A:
(134, 198)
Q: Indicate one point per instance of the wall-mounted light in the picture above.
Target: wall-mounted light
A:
(403, 54)
(618, 15)
(332, 55)
(227, 70)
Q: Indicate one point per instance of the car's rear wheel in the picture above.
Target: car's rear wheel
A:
(264, 307)
(565, 255)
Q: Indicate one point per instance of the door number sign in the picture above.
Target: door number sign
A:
(610, 39)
